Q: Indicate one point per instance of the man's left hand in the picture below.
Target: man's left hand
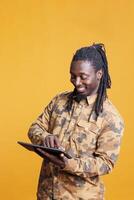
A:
(60, 161)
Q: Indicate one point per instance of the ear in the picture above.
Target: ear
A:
(99, 74)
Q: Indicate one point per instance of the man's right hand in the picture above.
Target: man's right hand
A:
(52, 141)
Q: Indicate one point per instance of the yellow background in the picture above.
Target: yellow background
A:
(37, 41)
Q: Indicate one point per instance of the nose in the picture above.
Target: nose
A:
(78, 81)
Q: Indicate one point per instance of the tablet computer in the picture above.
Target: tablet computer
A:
(34, 147)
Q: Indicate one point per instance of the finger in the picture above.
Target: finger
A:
(47, 142)
(52, 158)
(51, 142)
(61, 155)
(44, 144)
(63, 158)
(57, 142)
(43, 153)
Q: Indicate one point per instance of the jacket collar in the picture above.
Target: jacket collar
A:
(91, 99)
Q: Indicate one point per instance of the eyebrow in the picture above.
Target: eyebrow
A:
(82, 73)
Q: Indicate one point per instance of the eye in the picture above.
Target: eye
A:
(83, 77)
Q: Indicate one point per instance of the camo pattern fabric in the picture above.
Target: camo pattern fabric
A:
(93, 145)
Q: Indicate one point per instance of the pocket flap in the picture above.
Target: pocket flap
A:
(88, 126)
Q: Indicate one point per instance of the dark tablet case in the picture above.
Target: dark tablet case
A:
(33, 147)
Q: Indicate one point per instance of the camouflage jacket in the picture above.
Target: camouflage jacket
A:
(93, 145)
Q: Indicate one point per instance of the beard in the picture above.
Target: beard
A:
(77, 96)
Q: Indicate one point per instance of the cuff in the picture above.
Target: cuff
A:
(71, 165)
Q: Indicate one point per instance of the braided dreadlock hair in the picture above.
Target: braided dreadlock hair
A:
(96, 54)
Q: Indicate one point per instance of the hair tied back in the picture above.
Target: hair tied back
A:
(99, 46)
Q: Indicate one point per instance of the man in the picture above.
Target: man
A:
(86, 124)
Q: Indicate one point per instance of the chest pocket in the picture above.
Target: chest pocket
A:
(86, 136)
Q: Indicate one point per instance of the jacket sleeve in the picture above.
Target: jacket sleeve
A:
(107, 150)
(39, 129)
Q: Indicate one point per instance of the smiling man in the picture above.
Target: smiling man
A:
(87, 125)
(84, 77)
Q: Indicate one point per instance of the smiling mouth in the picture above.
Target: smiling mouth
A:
(81, 89)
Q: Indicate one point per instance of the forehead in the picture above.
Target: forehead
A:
(83, 67)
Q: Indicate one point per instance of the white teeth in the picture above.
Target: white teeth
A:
(81, 89)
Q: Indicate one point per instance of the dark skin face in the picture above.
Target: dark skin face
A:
(84, 77)
(86, 81)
